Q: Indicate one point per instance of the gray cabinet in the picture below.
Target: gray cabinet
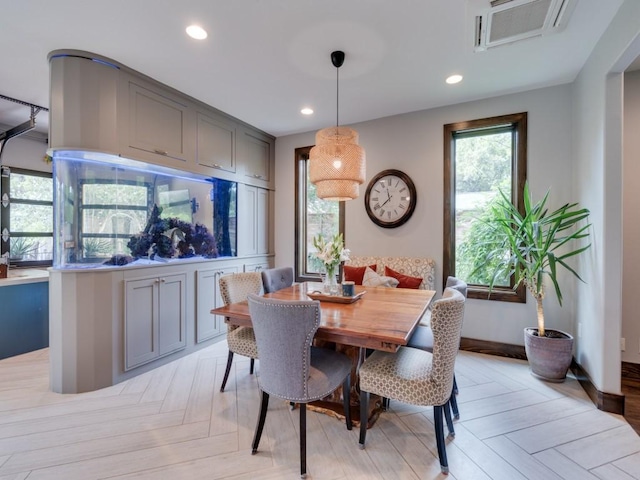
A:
(155, 317)
(255, 151)
(253, 227)
(208, 297)
(158, 123)
(215, 142)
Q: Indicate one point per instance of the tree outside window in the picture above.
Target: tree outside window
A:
(481, 158)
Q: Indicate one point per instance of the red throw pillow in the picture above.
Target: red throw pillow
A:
(355, 274)
(406, 281)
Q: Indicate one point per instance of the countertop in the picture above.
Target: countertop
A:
(20, 276)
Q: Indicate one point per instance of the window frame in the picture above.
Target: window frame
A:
(518, 123)
(5, 216)
(300, 229)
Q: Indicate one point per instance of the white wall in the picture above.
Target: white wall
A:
(26, 151)
(413, 143)
(631, 218)
(597, 182)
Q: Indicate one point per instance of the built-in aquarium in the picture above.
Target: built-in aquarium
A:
(111, 211)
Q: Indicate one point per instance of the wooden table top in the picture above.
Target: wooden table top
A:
(382, 319)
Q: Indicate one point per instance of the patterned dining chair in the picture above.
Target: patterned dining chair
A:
(416, 376)
(290, 367)
(236, 288)
(274, 279)
(422, 338)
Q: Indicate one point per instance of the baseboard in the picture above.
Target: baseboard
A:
(608, 402)
(631, 371)
(493, 348)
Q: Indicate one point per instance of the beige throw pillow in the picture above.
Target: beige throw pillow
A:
(372, 279)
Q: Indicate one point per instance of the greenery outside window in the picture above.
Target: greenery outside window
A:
(26, 219)
(481, 157)
(313, 216)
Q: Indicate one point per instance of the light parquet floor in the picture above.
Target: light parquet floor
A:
(173, 423)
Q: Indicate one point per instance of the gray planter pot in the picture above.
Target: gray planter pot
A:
(549, 357)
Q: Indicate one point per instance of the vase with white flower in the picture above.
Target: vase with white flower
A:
(331, 253)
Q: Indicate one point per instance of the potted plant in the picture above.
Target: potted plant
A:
(21, 248)
(532, 246)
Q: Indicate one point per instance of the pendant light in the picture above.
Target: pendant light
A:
(337, 162)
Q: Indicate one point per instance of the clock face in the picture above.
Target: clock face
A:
(390, 198)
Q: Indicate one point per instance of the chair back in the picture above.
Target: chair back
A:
(274, 279)
(456, 283)
(236, 287)
(284, 331)
(446, 324)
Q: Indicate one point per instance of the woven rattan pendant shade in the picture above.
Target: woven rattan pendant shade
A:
(337, 162)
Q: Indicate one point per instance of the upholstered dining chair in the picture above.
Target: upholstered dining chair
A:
(416, 376)
(290, 368)
(274, 279)
(236, 288)
(422, 338)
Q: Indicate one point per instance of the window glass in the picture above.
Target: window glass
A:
(314, 216)
(482, 157)
(27, 218)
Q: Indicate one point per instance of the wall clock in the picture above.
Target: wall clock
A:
(390, 198)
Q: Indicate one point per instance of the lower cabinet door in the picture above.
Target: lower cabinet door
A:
(208, 297)
(141, 321)
(172, 313)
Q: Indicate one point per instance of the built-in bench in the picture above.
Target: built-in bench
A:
(424, 268)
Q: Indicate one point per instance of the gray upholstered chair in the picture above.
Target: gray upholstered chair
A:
(415, 376)
(236, 288)
(274, 279)
(422, 338)
(290, 368)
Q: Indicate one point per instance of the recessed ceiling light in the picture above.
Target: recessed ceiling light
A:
(194, 31)
(454, 79)
(306, 111)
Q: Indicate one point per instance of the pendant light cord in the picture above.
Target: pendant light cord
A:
(337, 95)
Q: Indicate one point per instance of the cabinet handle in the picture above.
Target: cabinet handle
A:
(161, 152)
(156, 281)
(162, 280)
(215, 165)
(257, 175)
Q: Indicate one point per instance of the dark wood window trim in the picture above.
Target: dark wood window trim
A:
(519, 176)
(301, 275)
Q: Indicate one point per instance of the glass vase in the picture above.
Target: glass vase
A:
(330, 284)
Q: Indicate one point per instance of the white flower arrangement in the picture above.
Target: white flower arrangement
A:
(332, 252)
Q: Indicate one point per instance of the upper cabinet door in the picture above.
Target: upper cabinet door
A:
(254, 153)
(216, 143)
(157, 123)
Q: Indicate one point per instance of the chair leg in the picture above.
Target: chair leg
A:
(455, 384)
(346, 401)
(303, 440)
(453, 401)
(261, 418)
(439, 428)
(364, 414)
(447, 416)
(251, 366)
(226, 372)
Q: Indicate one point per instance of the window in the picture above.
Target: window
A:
(27, 217)
(110, 213)
(313, 216)
(481, 157)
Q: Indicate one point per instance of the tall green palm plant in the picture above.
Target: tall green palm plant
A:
(534, 245)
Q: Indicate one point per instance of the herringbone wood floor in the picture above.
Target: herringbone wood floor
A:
(173, 423)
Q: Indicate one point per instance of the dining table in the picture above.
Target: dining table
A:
(374, 318)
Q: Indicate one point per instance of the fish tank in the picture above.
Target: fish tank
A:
(112, 211)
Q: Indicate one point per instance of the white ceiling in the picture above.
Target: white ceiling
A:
(266, 59)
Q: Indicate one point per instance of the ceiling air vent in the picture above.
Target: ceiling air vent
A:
(509, 21)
